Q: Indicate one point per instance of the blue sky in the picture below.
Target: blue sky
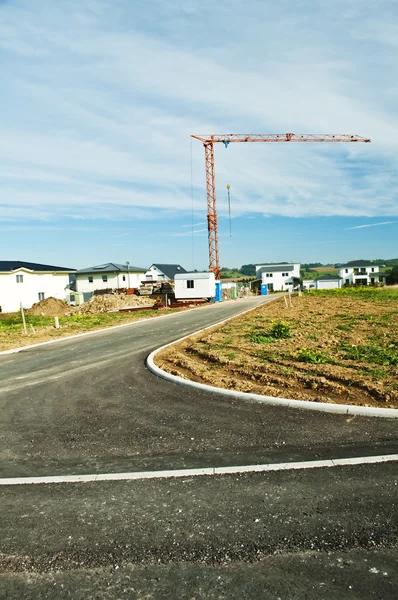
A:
(99, 98)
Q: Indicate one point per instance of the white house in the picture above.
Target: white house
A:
(361, 272)
(308, 284)
(108, 276)
(194, 285)
(328, 282)
(29, 283)
(163, 272)
(279, 277)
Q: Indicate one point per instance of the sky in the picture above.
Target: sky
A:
(98, 99)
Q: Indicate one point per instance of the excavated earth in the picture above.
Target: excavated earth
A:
(340, 350)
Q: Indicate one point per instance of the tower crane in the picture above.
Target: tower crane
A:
(233, 138)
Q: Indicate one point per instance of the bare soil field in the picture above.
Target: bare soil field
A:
(337, 346)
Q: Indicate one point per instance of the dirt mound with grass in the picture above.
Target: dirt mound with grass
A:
(109, 302)
(49, 307)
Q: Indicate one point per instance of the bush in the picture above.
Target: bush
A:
(279, 330)
(312, 356)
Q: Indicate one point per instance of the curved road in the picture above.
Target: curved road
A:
(90, 406)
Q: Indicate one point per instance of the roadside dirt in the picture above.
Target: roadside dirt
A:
(109, 302)
(341, 350)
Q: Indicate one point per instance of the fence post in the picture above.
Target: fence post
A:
(23, 319)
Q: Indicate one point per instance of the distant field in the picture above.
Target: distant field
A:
(318, 271)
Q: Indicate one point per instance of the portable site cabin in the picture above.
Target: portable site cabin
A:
(194, 286)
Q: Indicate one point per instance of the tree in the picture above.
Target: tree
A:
(392, 277)
(249, 270)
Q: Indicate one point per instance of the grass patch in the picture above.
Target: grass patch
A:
(381, 355)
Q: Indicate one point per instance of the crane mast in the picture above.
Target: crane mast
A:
(228, 138)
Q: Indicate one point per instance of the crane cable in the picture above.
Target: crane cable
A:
(229, 209)
(229, 197)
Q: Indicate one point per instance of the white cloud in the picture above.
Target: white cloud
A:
(99, 98)
(372, 225)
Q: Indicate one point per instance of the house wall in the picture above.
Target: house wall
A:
(204, 285)
(114, 280)
(155, 274)
(308, 283)
(27, 292)
(328, 285)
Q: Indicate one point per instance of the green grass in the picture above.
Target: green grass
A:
(366, 292)
(372, 353)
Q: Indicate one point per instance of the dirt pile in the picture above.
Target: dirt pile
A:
(49, 307)
(108, 303)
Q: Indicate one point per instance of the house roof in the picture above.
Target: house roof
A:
(14, 265)
(328, 277)
(276, 269)
(169, 270)
(358, 263)
(112, 268)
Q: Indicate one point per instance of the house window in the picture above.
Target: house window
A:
(41, 296)
(124, 277)
(373, 270)
(346, 270)
(19, 278)
(347, 281)
(190, 284)
(90, 279)
(72, 298)
(105, 278)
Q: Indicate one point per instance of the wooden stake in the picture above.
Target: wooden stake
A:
(23, 319)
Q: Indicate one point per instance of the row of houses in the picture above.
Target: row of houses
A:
(26, 283)
(285, 277)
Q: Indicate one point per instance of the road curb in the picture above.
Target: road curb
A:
(347, 409)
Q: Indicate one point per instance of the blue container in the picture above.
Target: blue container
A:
(218, 291)
(264, 289)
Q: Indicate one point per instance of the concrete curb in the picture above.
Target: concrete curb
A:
(347, 409)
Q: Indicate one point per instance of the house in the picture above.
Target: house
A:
(361, 272)
(308, 284)
(328, 282)
(107, 276)
(281, 277)
(194, 285)
(164, 272)
(27, 283)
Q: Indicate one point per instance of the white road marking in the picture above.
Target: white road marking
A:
(179, 473)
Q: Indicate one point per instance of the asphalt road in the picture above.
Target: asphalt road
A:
(90, 406)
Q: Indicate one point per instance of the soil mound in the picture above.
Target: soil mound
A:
(49, 307)
(108, 303)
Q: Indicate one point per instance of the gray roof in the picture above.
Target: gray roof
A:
(112, 268)
(276, 269)
(13, 265)
(328, 277)
(169, 270)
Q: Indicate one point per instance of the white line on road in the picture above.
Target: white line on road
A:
(179, 473)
